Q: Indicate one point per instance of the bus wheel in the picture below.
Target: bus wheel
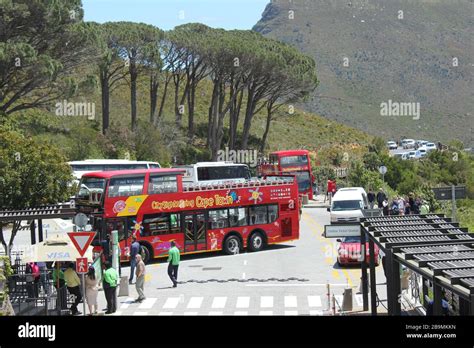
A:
(232, 245)
(145, 253)
(256, 242)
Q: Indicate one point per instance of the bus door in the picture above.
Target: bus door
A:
(194, 227)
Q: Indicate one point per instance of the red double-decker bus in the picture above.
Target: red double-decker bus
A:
(291, 162)
(153, 205)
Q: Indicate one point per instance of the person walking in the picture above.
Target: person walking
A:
(134, 250)
(92, 290)
(140, 284)
(381, 197)
(425, 208)
(110, 288)
(73, 286)
(371, 198)
(173, 265)
(60, 284)
(401, 205)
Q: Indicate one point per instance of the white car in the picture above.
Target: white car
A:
(392, 145)
(412, 155)
(420, 143)
(422, 152)
(408, 143)
(430, 147)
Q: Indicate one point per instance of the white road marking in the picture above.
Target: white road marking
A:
(147, 303)
(219, 302)
(190, 313)
(127, 303)
(140, 313)
(315, 312)
(265, 313)
(171, 302)
(165, 313)
(241, 313)
(291, 312)
(245, 262)
(275, 285)
(195, 302)
(314, 301)
(118, 313)
(243, 275)
(266, 301)
(291, 301)
(215, 313)
(243, 302)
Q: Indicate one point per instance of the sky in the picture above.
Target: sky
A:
(166, 14)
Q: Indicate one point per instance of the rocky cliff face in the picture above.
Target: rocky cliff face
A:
(374, 53)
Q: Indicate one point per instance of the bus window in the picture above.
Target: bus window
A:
(156, 224)
(218, 219)
(222, 173)
(258, 214)
(153, 165)
(237, 217)
(175, 225)
(126, 186)
(162, 184)
(272, 213)
(293, 160)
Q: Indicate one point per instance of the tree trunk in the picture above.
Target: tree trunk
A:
(211, 114)
(104, 84)
(133, 94)
(163, 99)
(191, 97)
(267, 126)
(248, 118)
(178, 116)
(154, 85)
(234, 120)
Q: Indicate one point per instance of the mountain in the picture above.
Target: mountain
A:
(374, 55)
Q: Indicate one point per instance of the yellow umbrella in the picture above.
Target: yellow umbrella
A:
(57, 248)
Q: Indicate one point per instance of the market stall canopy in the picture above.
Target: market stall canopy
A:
(56, 248)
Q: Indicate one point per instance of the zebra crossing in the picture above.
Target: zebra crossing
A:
(288, 305)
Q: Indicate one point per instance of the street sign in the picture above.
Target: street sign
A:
(80, 220)
(445, 193)
(338, 231)
(382, 170)
(81, 240)
(81, 265)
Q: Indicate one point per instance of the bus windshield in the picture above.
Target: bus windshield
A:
(286, 161)
(223, 173)
(89, 184)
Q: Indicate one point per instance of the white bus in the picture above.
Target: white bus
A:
(79, 168)
(215, 173)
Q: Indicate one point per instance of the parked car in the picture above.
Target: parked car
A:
(408, 143)
(348, 252)
(412, 155)
(422, 152)
(430, 147)
(392, 145)
(420, 143)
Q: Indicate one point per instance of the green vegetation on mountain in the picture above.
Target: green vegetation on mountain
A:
(368, 52)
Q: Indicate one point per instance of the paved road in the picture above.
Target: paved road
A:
(287, 279)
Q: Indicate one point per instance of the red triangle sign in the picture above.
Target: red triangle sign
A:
(81, 240)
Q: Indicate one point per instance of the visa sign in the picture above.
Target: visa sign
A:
(58, 255)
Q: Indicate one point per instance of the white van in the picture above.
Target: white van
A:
(347, 205)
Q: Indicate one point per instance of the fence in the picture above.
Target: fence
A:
(30, 295)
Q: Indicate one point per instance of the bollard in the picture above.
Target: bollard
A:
(328, 286)
(333, 305)
(347, 300)
(123, 289)
(305, 199)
